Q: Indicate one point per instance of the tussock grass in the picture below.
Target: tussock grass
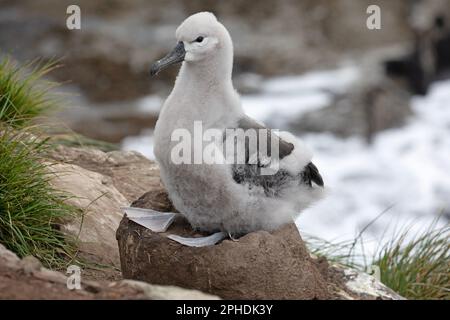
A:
(415, 267)
(338, 252)
(30, 209)
(24, 94)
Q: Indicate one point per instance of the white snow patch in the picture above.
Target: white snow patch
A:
(336, 81)
(142, 144)
(150, 104)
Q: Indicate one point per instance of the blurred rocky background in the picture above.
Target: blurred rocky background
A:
(105, 64)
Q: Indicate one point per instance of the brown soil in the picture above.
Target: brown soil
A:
(17, 285)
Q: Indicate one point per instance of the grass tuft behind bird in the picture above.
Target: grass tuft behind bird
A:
(24, 94)
(30, 209)
(417, 268)
(414, 267)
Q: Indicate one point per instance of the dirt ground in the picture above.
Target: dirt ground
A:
(16, 284)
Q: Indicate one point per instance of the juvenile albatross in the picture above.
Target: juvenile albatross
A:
(226, 198)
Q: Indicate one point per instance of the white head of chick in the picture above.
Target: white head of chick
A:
(233, 197)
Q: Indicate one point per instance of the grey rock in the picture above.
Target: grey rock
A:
(100, 183)
(8, 258)
(157, 292)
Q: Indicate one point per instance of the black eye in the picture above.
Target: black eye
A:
(199, 39)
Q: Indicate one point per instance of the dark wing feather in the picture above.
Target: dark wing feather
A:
(272, 184)
(311, 174)
(285, 148)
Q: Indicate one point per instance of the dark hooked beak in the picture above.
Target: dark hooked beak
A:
(175, 56)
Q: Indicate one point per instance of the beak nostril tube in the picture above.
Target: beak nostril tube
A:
(175, 56)
(155, 68)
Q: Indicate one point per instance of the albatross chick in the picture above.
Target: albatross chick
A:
(274, 181)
